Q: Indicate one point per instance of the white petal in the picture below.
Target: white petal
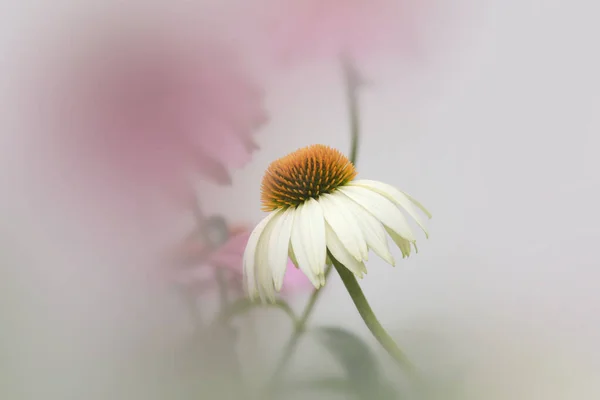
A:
(305, 266)
(394, 195)
(264, 270)
(279, 246)
(308, 240)
(403, 244)
(381, 208)
(343, 222)
(292, 255)
(341, 203)
(338, 250)
(373, 231)
(249, 260)
(416, 203)
(314, 234)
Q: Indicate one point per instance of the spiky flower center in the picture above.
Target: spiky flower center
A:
(306, 173)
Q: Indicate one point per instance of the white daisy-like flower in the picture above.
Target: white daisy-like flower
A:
(316, 209)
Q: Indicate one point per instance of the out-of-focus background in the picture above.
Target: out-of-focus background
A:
(489, 117)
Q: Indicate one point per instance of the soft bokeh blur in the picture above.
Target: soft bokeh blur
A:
(490, 120)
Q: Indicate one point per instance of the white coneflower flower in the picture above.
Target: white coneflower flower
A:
(317, 207)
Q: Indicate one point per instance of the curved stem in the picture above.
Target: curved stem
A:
(368, 316)
(299, 329)
(352, 84)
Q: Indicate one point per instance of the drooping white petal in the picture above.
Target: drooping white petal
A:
(264, 269)
(340, 203)
(395, 196)
(291, 254)
(373, 231)
(249, 259)
(403, 244)
(308, 240)
(339, 251)
(304, 266)
(328, 263)
(419, 205)
(279, 245)
(312, 215)
(381, 208)
(343, 222)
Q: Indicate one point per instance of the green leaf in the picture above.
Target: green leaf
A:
(350, 351)
(362, 370)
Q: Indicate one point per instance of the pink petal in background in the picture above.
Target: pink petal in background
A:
(149, 105)
(229, 256)
(297, 30)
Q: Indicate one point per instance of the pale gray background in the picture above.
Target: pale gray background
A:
(496, 132)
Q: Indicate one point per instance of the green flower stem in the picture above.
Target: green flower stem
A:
(352, 84)
(224, 329)
(220, 277)
(299, 329)
(366, 312)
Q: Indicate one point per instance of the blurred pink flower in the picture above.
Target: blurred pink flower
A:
(299, 29)
(115, 111)
(197, 261)
(153, 106)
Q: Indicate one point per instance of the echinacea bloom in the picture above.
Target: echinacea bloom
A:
(317, 208)
(222, 246)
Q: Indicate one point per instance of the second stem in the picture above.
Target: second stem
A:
(351, 82)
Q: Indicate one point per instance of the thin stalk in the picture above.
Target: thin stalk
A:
(188, 296)
(225, 331)
(368, 316)
(299, 329)
(351, 82)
